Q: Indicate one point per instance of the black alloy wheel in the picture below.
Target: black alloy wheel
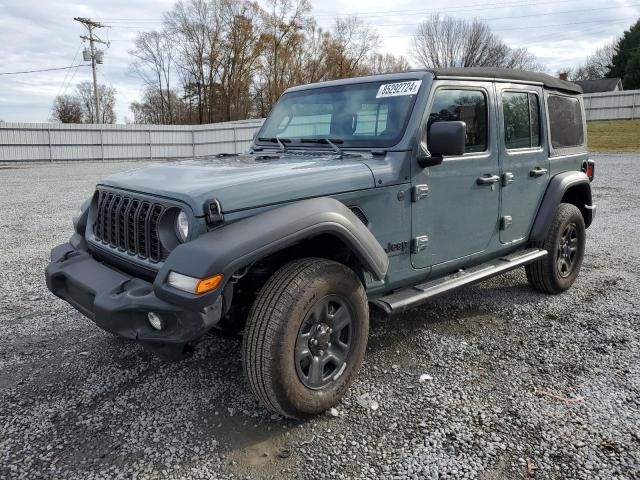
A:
(324, 342)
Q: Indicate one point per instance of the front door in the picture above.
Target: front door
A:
(524, 158)
(456, 204)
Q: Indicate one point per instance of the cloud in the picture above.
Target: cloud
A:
(42, 34)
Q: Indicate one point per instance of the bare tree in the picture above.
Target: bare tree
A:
(154, 52)
(233, 58)
(107, 98)
(284, 25)
(600, 62)
(67, 109)
(596, 66)
(312, 58)
(443, 42)
(352, 43)
(387, 63)
(242, 47)
(195, 27)
(150, 110)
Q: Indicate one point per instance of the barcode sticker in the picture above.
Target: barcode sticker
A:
(398, 89)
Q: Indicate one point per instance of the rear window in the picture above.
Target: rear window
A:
(565, 121)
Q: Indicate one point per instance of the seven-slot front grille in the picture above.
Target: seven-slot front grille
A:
(129, 224)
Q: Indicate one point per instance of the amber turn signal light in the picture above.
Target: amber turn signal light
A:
(194, 285)
(208, 284)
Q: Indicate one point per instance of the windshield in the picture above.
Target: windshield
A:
(358, 115)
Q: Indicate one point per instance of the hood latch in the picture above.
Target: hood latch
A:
(213, 212)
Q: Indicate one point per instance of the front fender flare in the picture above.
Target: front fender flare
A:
(558, 186)
(230, 247)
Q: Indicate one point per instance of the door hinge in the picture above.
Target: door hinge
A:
(507, 178)
(419, 244)
(505, 222)
(419, 192)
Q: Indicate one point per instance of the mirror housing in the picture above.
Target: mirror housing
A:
(444, 138)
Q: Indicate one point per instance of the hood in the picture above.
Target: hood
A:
(246, 181)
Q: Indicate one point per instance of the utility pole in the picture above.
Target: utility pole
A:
(90, 25)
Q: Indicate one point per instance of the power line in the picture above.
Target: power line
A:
(131, 26)
(44, 70)
(70, 80)
(466, 7)
(385, 13)
(133, 22)
(532, 26)
(514, 16)
(62, 88)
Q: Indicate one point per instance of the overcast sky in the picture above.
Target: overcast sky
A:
(42, 34)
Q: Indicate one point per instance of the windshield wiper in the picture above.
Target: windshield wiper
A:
(280, 141)
(328, 141)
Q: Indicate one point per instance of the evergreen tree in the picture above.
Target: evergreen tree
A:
(631, 79)
(628, 47)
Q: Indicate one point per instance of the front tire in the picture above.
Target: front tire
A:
(305, 337)
(565, 242)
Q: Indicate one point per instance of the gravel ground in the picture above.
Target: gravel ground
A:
(491, 382)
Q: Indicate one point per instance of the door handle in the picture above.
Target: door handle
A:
(538, 172)
(488, 180)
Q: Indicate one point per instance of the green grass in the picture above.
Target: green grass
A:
(614, 135)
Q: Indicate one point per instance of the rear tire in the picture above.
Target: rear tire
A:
(565, 243)
(305, 337)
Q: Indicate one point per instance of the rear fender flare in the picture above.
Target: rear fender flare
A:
(558, 186)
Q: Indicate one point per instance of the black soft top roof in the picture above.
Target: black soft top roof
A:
(507, 74)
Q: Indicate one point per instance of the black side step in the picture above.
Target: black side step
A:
(402, 300)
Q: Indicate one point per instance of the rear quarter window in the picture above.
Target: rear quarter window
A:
(565, 121)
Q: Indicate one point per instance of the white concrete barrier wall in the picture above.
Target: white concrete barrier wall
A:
(623, 105)
(32, 142)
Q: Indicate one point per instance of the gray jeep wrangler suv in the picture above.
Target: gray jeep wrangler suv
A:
(378, 192)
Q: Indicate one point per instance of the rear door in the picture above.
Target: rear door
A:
(524, 158)
(456, 204)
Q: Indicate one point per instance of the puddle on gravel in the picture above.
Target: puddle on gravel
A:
(256, 450)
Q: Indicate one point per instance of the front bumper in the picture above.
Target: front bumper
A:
(119, 303)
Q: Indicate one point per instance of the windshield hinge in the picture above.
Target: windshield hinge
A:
(335, 147)
(419, 192)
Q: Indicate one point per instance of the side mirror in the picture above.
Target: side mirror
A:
(444, 138)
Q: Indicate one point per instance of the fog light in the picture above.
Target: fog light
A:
(155, 320)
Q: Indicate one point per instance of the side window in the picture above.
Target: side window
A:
(521, 113)
(565, 121)
(469, 106)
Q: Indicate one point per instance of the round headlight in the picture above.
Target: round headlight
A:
(182, 226)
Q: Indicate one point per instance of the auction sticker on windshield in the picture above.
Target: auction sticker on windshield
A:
(400, 88)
